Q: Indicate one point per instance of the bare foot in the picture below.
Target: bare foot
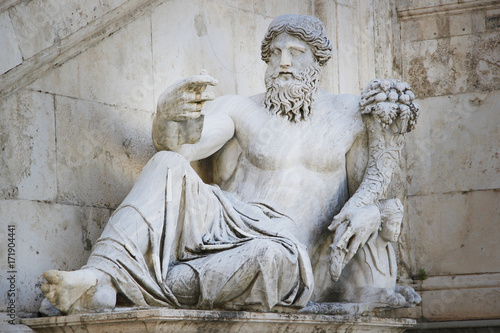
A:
(79, 291)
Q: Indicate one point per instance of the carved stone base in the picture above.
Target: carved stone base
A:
(169, 320)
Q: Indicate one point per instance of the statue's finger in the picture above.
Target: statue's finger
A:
(338, 220)
(199, 83)
(339, 232)
(354, 245)
(343, 215)
(346, 237)
(191, 107)
(188, 115)
(334, 225)
(200, 97)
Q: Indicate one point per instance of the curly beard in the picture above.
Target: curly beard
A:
(293, 99)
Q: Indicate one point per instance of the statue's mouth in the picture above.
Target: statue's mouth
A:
(286, 75)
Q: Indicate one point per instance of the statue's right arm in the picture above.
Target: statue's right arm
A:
(180, 126)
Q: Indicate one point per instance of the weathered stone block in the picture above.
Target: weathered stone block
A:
(348, 51)
(452, 65)
(113, 72)
(39, 24)
(240, 4)
(417, 4)
(9, 52)
(101, 151)
(467, 23)
(455, 145)
(47, 236)
(27, 142)
(249, 67)
(204, 44)
(459, 297)
(219, 44)
(275, 8)
(455, 233)
(326, 11)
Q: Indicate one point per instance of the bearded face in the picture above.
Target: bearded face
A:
(290, 93)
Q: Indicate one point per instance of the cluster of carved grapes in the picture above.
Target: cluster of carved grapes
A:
(391, 101)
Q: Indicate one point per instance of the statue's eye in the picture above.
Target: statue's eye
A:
(276, 51)
(296, 52)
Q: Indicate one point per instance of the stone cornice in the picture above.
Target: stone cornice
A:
(447, 9)
(455, 282)
(71, 46)
(176, 320)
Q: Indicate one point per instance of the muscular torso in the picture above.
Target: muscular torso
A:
(298, 169)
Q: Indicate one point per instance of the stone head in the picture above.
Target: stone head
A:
(295, 49)
(391, 213)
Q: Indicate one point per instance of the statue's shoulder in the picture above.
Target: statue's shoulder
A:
(345, 104)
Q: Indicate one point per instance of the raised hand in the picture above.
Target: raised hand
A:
(184, 99)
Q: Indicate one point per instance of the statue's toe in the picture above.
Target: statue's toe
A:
(52, 276)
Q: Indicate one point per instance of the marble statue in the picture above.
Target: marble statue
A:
(288, 166)
(370, 277)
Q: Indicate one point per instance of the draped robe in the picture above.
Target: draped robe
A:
(242, 258)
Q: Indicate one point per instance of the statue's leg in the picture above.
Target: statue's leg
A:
(183, 281)
(92, 288)
(122, 257)
(260, 273)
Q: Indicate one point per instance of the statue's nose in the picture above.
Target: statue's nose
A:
(285, 60)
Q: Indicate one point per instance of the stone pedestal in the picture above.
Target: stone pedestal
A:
(169, 320)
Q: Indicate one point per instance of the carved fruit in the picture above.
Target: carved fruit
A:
(380, 97)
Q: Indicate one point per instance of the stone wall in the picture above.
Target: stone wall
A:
(451, 57)
(79, 88)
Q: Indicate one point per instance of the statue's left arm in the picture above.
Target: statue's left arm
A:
(388, 112)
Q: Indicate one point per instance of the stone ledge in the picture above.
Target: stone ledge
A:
(170, 320)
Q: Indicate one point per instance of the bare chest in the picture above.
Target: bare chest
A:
(272, 143)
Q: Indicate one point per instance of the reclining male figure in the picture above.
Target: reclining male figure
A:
(285, 163)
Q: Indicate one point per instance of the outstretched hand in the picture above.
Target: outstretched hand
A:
(185, 98)
(352, 228)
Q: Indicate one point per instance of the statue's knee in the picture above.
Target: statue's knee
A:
(268, 250)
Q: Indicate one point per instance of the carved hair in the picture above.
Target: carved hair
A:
(308, 28)
(389, 207)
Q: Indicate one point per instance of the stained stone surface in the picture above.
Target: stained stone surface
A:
(450, 57)
(457, 145)
(37, 223)
(39, 24)
(28, 148)
(168, 320)
(451, 239)
(113, 72)
(100, 152)
(9, 52)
